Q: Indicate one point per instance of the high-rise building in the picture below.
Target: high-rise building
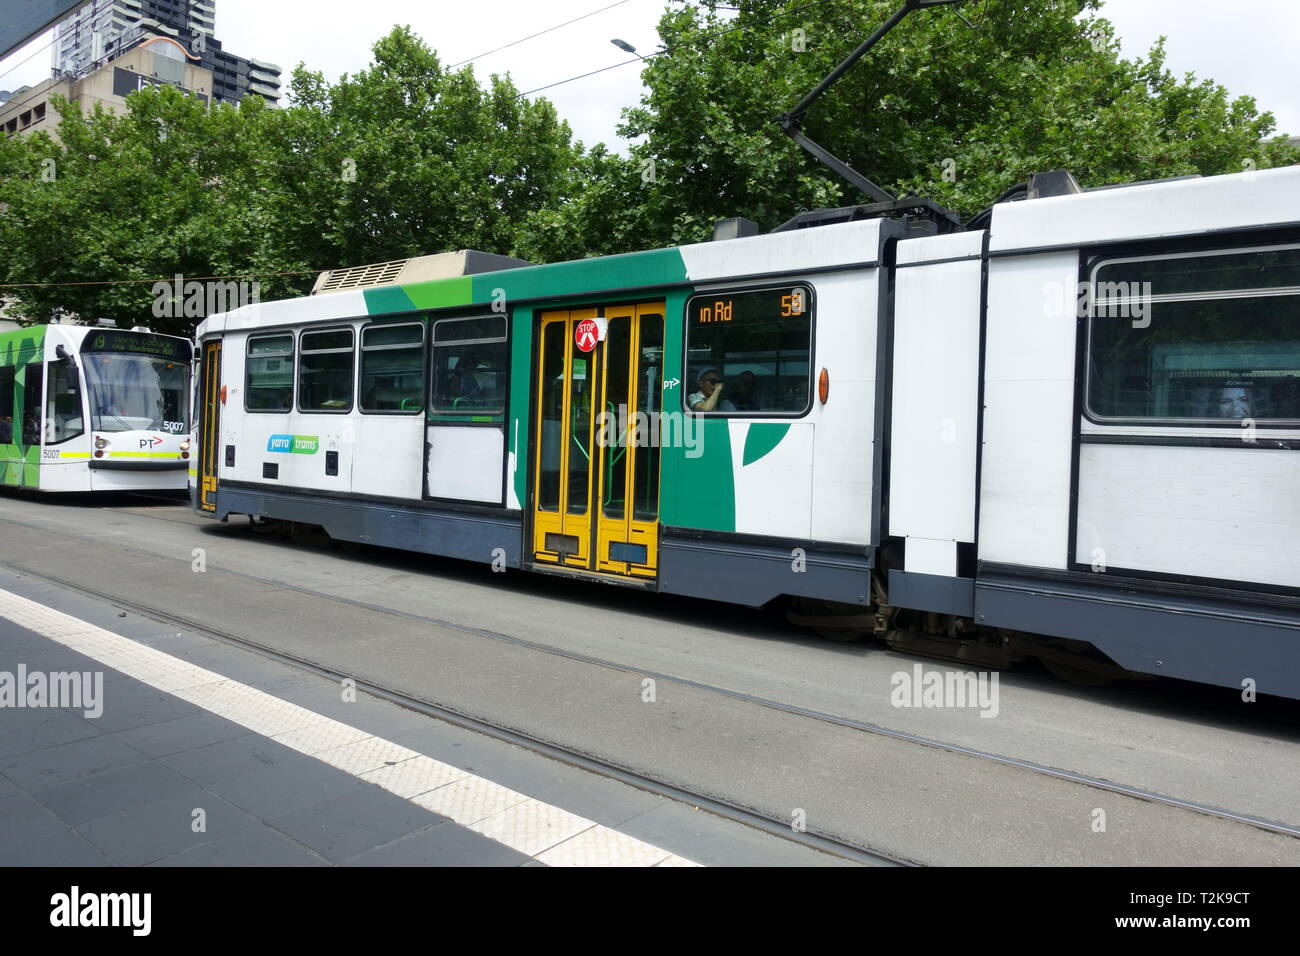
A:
(102, 30)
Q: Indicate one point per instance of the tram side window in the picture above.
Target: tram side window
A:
(392, 368)
(1194, 338)
(749, 353)
(470, 369)
(325, 371)
(6, 405)
(33, 379)
(268, 385)
(63, 418)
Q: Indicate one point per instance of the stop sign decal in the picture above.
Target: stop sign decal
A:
(586, 334)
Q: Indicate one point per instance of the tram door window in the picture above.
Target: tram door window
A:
(33, 380)
(209, 424)
(63, 418)
(7, 382)
(596, 469)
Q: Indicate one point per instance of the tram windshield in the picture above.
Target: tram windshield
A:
(137, 392)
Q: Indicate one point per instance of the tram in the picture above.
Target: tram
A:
(1070, 430)
(92, 408)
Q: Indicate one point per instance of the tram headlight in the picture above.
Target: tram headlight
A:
(185, 445)
(101, 442)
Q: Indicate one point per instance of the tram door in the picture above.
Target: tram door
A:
(596, 492)
(209, 424)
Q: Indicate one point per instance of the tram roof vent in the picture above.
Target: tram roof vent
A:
(447, 265)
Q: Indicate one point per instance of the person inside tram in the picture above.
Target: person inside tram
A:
(31, 429)
(464, 381)
(708, 394)
(1233, 402)
(6, 430)
(743, 397)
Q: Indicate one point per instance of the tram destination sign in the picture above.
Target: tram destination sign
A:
(161, 346)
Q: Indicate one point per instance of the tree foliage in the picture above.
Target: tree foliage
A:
(1009, 88)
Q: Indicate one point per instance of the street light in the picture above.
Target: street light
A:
(624, 45)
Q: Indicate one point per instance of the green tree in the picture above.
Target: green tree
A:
(93, 219)
(407, 158)
(1016, 87)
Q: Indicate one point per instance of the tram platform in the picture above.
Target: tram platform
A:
(196, 752)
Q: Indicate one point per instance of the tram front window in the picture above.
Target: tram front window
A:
(137, 393)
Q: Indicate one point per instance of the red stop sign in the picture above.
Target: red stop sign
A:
(586, 335)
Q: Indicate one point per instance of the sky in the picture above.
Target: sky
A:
(1247, 45)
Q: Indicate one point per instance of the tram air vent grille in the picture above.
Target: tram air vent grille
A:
(361, 277)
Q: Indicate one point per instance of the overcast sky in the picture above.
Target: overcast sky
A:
(1247, 45)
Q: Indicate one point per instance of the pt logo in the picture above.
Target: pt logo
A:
(151, 442)
(586, 334)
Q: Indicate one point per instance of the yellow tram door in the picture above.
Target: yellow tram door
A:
(627, 523)
(565, 419)
(596, 491)
(209, 424)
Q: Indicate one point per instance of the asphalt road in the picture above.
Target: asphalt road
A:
(567, 662)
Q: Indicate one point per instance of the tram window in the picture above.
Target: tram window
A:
(33, 379)
(268, 385)
(392, 368)
(755, 347)
(1193, 338)
(63, 418)
(6, 405)
(470, 369)
(325, 371)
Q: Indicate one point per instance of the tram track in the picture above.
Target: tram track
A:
(559, 751)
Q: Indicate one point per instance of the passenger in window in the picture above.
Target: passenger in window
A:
(708, 394)
(1234, 402)
(464, 380)
(6, 431)
(743, 398)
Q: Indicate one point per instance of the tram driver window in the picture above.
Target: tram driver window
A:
(1195, 339)
(325, 371)
(7, 405)
(470, 369)
(749, 353)
(392, 368)
(63, 418)
(268, 386)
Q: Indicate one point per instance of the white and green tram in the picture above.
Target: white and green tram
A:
(87, 408)
(1070, 429)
